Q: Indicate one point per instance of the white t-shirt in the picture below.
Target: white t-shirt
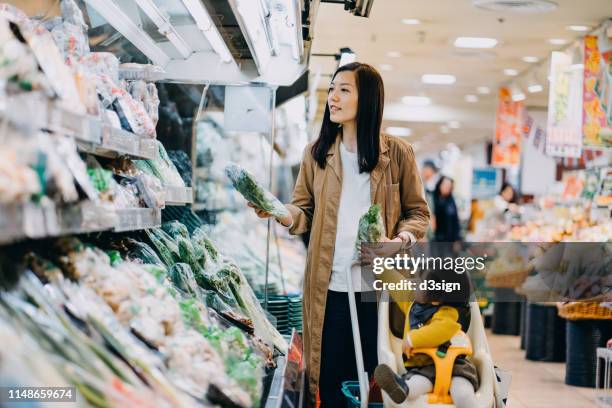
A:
(354, 202)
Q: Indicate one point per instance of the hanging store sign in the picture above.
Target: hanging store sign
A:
(597, 125)
(564, 129)
(508, 131)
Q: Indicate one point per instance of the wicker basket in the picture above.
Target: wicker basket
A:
(510, 279)
(584, 311)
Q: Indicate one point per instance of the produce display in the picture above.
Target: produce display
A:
(154, 320)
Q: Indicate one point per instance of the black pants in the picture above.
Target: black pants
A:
(338, 362)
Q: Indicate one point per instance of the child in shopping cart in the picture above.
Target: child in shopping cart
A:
(432, 320)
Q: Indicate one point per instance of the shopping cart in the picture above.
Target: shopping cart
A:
(492, 390)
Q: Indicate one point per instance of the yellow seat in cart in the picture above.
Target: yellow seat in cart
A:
(474, 344)
(460, 346)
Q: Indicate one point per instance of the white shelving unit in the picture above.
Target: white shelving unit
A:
(35, 221)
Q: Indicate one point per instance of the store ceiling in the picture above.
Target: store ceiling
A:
(427, 48)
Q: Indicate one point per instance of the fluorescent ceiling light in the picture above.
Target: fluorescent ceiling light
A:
(416, 100)
(471, 98)
(518, 97)
(511, 72)
(394, 54)
(165, 27)
(385, 67)
(438, 79)
(483, 90)
(454, 124)
(531, 60)
(558, 41)
(535, 88)
(411, 21)
(579, 28)
(475, 42)
(205, 24)
(347, 58)
(399, 131)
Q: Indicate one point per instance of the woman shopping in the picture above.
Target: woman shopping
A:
(349, 167)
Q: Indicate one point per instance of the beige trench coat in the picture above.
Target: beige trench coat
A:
(395, 185)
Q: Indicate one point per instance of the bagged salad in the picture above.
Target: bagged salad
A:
(246, 185)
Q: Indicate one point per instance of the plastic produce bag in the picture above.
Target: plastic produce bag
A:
(245, 183)
(183, 165)
(371, 228)
(162, 168)
(147, 95)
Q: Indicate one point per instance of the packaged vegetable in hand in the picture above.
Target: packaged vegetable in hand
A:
(245, 183)
(371, 228)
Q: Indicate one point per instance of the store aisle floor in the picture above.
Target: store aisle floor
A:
(536, 384)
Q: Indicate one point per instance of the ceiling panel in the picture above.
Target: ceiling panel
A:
(428, 48)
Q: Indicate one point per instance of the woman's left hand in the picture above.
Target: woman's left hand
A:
(387, 248)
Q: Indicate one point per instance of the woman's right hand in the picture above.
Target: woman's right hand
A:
(260, 213)
(285, 221)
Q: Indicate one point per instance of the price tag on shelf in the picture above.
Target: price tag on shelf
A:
(33, 221)
(121, 142)
(148, 148)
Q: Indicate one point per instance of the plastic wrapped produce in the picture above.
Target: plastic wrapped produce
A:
(162, 168)
(371, 228)
(181, 161)
(19, 65)
(105, 66)
(147, 95)
(175, 229)
(151, 190)
(18, 182)
(245, 183)
(71, 33)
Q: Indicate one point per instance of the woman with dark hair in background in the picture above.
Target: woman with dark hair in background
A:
(507, 199)
(447, 227)
(348, 168)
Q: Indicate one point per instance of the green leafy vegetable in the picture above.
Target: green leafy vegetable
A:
(371, 228)
(246, 185)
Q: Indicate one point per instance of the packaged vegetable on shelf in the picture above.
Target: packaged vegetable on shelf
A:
(181, 161)
(70, 32)
(162, 168)
(147, 95)
(19, 68)
(245, 183)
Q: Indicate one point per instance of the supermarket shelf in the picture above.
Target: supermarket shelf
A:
(33, 221)
(178, 195)
(276, 388)
(118, 142)
(92, 135)
(138, 218)
(147, 73)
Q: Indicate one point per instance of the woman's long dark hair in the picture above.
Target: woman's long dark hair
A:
(370, 106)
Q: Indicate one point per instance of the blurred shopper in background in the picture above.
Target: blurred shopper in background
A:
(506, 200)
(430, 177)
(447, 227)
